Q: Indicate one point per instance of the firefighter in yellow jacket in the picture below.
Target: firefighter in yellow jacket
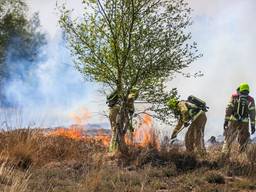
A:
(191, 116)
(239, 112)
(114, 104)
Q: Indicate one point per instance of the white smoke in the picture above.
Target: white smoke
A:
(225, 33)
(53, 89)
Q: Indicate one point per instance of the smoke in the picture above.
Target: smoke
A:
(225, 34)
(52, 90)
(48, 91)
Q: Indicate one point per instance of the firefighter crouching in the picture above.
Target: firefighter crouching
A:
(191, 114)
(239, 112)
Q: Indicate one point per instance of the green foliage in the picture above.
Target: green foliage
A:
(157, 95)
(126, 43)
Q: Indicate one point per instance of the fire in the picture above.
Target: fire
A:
(147, 120)
(77, 133)
(145, 135)
(103, 137)
(81, 117)
(72, 133)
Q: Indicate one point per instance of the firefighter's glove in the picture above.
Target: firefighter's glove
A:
(225, 126)
(252, 129)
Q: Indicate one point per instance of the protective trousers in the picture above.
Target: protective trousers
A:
(239, 130)
(194, 139)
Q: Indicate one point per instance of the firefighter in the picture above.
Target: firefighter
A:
(239, 112)
(114, 104)
(194, 117)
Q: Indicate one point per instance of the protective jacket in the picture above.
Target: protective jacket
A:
(233, 108)
(238, 117)
(187, 112)
(194, 138)
(114, 111)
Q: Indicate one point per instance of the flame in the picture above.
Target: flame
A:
(103, 137)
(81, 117)
(72, 133)
(145, 134)
(77, 133)
(148, 120)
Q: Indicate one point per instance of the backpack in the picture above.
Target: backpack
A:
(241, 107)
(198, 102)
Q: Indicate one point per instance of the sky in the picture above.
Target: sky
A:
(225, 33)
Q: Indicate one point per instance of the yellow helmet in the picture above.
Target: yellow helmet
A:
(172, 103)
(244, 87)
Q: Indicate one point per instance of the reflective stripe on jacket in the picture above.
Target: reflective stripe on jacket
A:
(188, 111)
(230, 110)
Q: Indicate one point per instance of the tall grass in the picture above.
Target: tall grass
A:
(13, 180)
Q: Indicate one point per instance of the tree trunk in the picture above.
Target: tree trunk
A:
(117, 144)
(119, 129)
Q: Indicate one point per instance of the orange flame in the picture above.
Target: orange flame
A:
(145, 135)
(72, 133)
(77, 133)
(103, 137)
(147, 120)
(81, 117)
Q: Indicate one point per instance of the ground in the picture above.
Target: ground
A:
(34, 161)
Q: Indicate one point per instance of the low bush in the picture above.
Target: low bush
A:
(215, 177)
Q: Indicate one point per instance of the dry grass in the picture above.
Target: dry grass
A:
(33, 162)
(25, 147)
(251, 153)
(12, 180)
(245, 184)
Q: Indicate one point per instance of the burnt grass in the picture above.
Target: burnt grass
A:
(59, 164)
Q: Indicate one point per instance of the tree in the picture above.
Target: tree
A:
(131, 43)
(20, 40)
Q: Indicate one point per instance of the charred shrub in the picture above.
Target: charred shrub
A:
(183, 161)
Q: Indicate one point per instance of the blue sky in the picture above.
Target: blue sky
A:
(225, 33)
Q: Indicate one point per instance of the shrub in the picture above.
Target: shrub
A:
(215, 177)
